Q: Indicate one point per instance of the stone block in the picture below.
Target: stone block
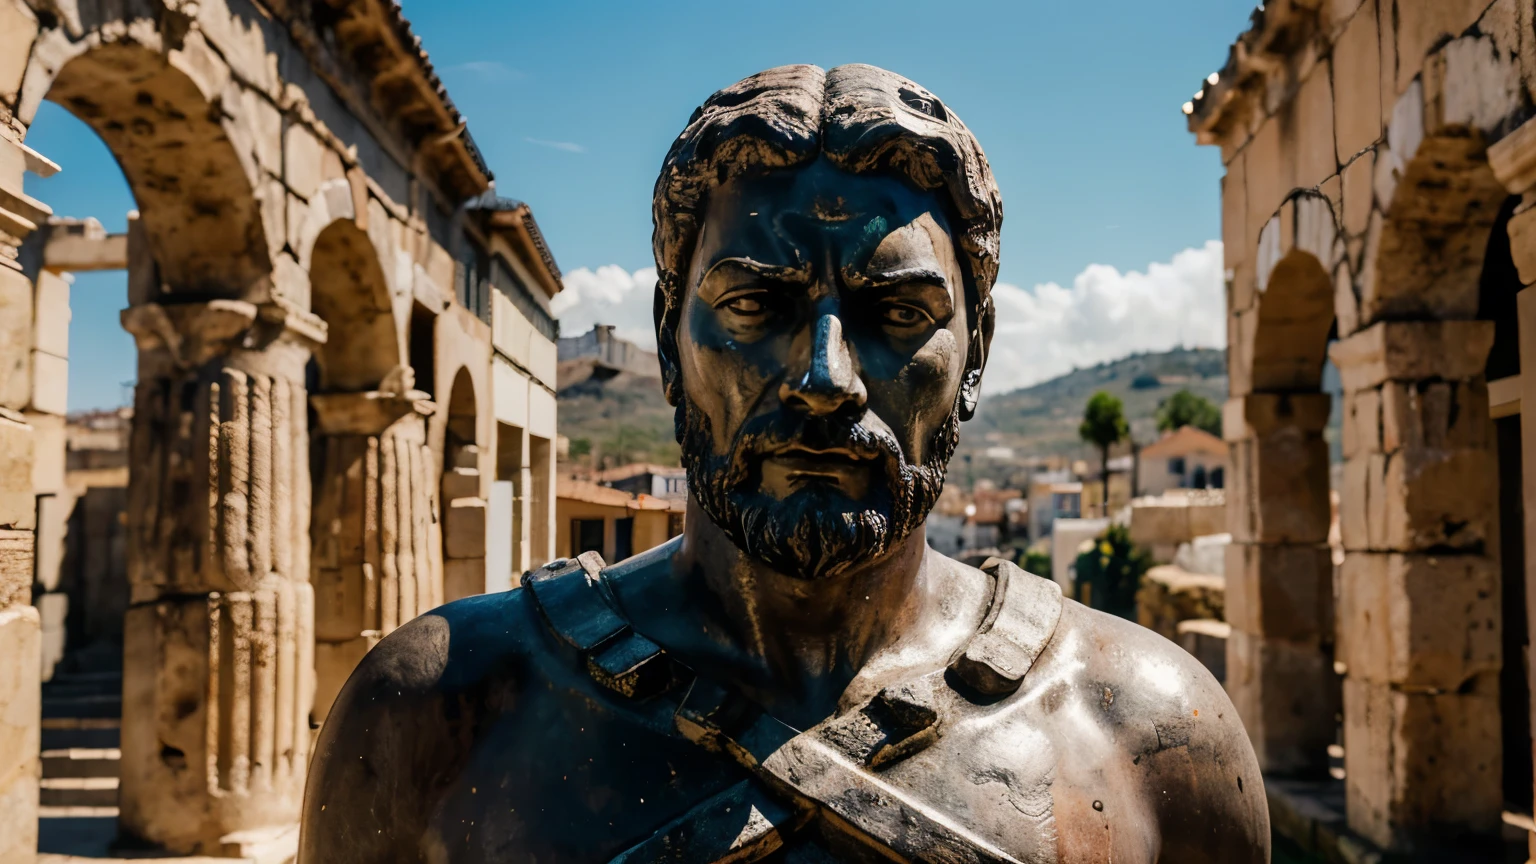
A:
(1419, 621)
(334, 664)
(1437, 499)
(1421, 26)
(1170, 594)
(339, 602)
(15, 340)
(52, 611)
(50, 313)
(1355, 514)
(1362, 423)
(1439, 415)
(464, 528)
(1412, 351)
(1357, 86)
(18, 509)
(15, 567)
(49, 452)
(1236, 243)
(1288, 696)
(1422, 767)
(1260, 414)
(1522, 243)
(1278, 491)
(1359, 194)
(52, 526)
(1206, 639)
(1270, 177)
(20, 731)
(1157, 521)
(1282, 592)
(18, 27)
(303, 160)
(461, 483)
(463, 577)
(50, 384)
(1310, 136)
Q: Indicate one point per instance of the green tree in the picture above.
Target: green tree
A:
(1109, 573)
(1188, 409)
(1104, 426)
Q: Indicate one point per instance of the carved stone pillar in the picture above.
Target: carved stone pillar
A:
(20, 625)
(1419, 591)
(1280, 580)
(378, 549)
(219, 635)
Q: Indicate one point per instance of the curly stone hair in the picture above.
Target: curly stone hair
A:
(862, 118)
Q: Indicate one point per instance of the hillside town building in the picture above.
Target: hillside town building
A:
(344, 344)
(1380, 164)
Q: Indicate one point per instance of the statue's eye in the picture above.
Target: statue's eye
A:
(904, 316)
(747, 305)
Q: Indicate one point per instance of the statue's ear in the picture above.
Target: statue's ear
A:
(976, 359)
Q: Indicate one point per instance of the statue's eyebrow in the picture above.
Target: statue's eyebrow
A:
(777, 272)
(893, 278)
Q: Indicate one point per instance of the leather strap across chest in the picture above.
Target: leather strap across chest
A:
(833, 768)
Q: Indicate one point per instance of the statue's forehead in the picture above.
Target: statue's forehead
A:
(793, 214)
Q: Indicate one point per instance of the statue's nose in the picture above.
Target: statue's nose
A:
(830, 383)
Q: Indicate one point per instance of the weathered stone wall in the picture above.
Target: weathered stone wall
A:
(306, 227)
(1359, 201)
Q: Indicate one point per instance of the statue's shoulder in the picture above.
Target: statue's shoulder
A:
(1167, 719)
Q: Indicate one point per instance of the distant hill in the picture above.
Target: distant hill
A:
(613, 419)
(1042, 420)
(623, 417)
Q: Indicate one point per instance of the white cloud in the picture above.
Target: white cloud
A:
(567, 146)
(608, 295)
(1041, 333)
(1106, 315)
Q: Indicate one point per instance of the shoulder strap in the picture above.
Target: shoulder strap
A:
(570, 597)
(1018, 626)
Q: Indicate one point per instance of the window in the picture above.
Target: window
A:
(586, 536)
(1218, 475)
(1176, 466)
(1197, 479)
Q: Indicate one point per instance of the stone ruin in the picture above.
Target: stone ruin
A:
(325, 290)
(1376, 212)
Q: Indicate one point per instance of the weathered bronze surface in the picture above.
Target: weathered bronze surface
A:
(798, 677)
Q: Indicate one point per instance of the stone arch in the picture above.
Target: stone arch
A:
(1299, 249)
(463, 502)
(1436, 195)
(350, 292)
(1279, 572)
(163, 115)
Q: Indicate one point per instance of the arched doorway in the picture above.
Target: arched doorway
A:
(467, 545)
(215, 695)
(375, 563)
(1279, 571)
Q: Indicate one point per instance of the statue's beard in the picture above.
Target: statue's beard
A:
(817, 531)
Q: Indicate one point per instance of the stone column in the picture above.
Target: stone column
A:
(1280, 580)
(1419, 602)
(219, 637)
(20, 625)
(377, 561)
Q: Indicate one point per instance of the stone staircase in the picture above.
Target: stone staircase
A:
(82, 714)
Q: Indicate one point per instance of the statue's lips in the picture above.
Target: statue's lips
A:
(796, 465)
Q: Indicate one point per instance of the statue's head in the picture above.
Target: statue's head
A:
(826, 244)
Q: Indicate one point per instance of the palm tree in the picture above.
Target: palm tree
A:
(1104, 426)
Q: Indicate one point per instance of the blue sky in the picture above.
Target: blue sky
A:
(1110, 205)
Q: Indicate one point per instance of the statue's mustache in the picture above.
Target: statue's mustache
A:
(781, 432)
